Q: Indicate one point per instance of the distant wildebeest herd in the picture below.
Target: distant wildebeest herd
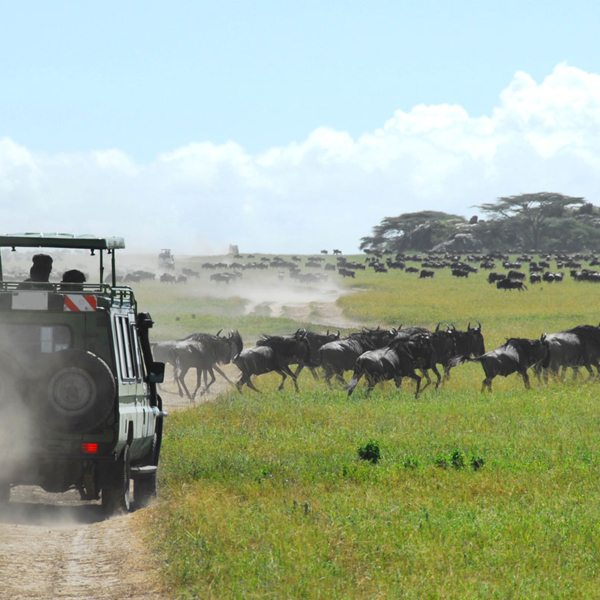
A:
(379, 355)
(517, 272)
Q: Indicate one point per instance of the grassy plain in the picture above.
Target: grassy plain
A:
(475, 495)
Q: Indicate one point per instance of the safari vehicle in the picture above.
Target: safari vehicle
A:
(78, 401)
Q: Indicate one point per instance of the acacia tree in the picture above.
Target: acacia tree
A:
(531, 212)
(418, 231)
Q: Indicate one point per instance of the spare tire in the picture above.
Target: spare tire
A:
(77, 392)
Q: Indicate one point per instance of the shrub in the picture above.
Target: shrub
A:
(370, 451)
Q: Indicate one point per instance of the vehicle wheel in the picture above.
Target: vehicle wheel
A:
(115, 495)
(80, 391)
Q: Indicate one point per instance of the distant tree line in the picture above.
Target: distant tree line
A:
(538, 222)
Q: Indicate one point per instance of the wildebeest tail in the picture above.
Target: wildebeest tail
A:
(459, 360)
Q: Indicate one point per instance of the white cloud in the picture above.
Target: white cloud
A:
(325, 191)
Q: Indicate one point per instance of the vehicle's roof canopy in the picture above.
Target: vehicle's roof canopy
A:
(60, 240)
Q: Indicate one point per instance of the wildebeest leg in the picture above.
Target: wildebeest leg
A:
(220, 372)
(437, 375)
(314, 373)
(339, 375)
(328, 375)
(525, 378)
(354, 382)
(245, 379)
(414, 376)
(487, 384)
(293, 376)
(590, 371)
(427, 378)
(371, 383)
(447, 372)
(199, 372)
(181, 380)
(285, 371)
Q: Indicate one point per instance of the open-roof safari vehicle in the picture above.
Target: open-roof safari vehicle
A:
(78, 400)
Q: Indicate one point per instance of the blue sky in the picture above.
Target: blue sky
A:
(145, 80)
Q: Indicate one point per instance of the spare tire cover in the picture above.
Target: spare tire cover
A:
(79, 390)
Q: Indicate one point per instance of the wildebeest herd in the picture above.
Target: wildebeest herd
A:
(378, 355)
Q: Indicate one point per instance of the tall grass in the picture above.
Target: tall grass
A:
(475, 495)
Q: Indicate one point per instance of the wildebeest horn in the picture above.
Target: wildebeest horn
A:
(437, 327)
(218, 332)
(478, 323)
(469, 326)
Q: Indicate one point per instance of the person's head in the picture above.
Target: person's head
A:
(74, 278)
(41, 267)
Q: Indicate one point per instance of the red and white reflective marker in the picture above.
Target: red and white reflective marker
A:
(80, 303)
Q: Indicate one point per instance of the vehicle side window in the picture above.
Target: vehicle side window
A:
(124, 345)
(136, 353)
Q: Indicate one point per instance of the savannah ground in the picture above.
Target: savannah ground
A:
(475, 495)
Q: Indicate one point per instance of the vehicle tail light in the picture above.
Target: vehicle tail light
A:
(89, 447)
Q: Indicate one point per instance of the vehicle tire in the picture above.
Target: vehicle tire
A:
(115, 495)
(79, 390)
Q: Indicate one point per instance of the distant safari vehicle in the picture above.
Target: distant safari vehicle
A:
(78, 401)
(166, 260)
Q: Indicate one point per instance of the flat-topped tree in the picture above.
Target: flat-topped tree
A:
(531, 212)
(418, 231)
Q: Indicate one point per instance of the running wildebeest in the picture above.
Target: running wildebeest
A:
(576, 347)
(467, 343)
(515, 356)
(202, 351)
(272, 353)
(422, 345)
(315, 341)
(340, 355)
(393, 361)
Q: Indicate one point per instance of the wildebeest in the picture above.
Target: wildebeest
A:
(511, 284)
(467, 343)
(493, 277)
(315, 341)
(516, 275)
(515, 356)
(393, 361)
(166, 352)
(576, 347)
(272, 353)
(428, 349)
(346, 272)
(202, 351)
(340, 355)
(460, 273)
(426, 273)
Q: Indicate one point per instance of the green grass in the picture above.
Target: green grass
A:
(474, 496)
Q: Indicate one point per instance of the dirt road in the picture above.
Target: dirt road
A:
(56, 547)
